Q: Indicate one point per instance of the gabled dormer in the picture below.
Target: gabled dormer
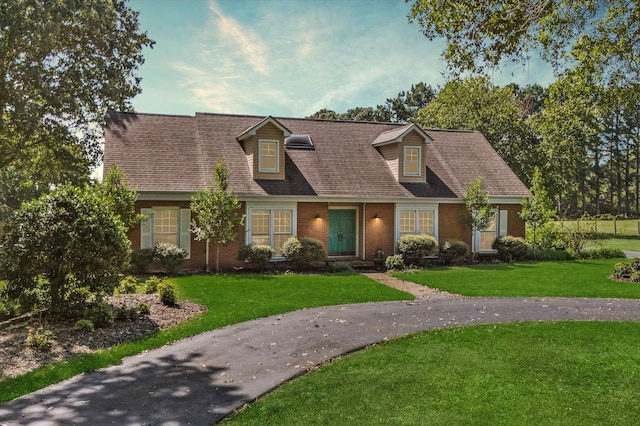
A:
(404, 150)
(263, 144)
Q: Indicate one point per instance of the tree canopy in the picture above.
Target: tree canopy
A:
(63, 64)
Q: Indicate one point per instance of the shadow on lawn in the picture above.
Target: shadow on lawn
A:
(165, 389)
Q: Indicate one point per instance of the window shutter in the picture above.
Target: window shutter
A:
(185, 230)
(504, 214)
(146, 227)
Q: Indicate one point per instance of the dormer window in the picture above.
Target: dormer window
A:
(268, 156)
(411, 164)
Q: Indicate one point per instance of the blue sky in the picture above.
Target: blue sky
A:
(288, 58)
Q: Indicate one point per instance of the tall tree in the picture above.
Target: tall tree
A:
(63, 64)
(216, 213)
(477, 104)
(536, 210)
(405, 105)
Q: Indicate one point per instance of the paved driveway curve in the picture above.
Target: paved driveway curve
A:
(201, 379)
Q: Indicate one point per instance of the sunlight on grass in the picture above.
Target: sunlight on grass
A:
(564, 373)
(584, 278)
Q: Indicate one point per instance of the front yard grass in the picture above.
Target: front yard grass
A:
(563, 373)
(582, 278)
(230, 299)
(631, 243)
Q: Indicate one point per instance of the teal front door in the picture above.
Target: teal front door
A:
(342, 232)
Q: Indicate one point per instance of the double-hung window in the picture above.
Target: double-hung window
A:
(412, 163)
(497, 226)
(268, 156)
(166, 225)
(416, 221)
(270, 226)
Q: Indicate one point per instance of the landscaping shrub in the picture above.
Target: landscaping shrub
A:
(151, 284)
(452, 251)
(170, 256)
(549, 237)
(635, 277)
(598, 253)
(337, 267)
(143, 309)
(101, 315)
(547, 254)
(635, 264)
(258, 258)
(510, 248)
(84, 325)
(39, 338)
(125, 314)
(141, 259)
(622, 270)
(128, 285)
(394, 263)
(167, 293)
(303, 251)
(415, 248)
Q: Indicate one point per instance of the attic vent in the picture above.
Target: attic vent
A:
(298, 142)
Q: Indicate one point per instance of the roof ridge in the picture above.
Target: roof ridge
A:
(149, 113)
(438, 129)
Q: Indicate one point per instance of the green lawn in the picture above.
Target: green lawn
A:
(564, 373)
(585, 278)
(631, 243)
(230, 299)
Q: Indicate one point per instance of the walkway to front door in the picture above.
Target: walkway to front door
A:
(342, 232)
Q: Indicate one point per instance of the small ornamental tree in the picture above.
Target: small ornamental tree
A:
(216, 213)
(476, 201)
(65, 241)
(536, 210)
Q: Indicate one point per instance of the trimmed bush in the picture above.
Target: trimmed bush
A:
(394, 263)
(151, 284)
(101, 315)
(548, 254)
(170, 256)
(635, 264)
(141, 259)
(167, 293)
(39, 338)
(622, 270)
(337, 267)
(510, 248)
(635, 277)
(128, 285)
(84, 325)
(303, 251)
(143, 309)
(452, 251)
(258, 258)
(415, 248)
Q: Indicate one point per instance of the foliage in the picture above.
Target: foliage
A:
(101, 315)
(477, 104)
(115, 192)
(140, 260)
(170, 256)
(598, 253)
(622, 270)
(128, 285)
(551, 236)
(68, 238)
(394, 262)
(536, 210)
(415, 248)
(548, 254)
(39, 338)
(151, 284)
(635, 277)
(216, 212)
(476, 202)
(8, 308)
(64, 65)
(635, 264)
(510, 248)
(303, 251)
(452, 251)
(258, 258)
(84, 325)
(338, 267)
(143, 309)
(167, 293)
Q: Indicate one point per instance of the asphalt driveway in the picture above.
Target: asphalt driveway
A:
(199, 380)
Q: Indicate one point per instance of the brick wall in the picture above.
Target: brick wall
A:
(380, 231)
(515, 225)
(451, 225)
(309, 225)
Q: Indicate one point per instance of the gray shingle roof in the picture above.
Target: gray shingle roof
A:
(173, 153)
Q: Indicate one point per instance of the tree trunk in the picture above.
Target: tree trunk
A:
(207, 268)
(217, 257)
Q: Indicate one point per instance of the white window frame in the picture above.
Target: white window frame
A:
(416, 209)
(183, 227)
(404, 161)
(501, 230)
(271, 207)
(268, 170)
